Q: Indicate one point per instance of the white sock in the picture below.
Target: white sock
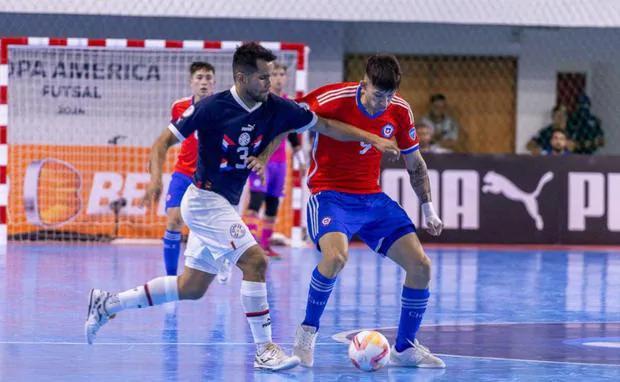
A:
(256, 307)
(155, 292)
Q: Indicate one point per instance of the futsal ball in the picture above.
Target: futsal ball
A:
(369, 350)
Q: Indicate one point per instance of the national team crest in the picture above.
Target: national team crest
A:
(412, 133)
(237, 231)
(326, 220)
(387, 131)
(244, 139)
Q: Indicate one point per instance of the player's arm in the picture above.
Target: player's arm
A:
(176, 131)
(259, 162)
(418, 177)
(341, 131)
(156, 164)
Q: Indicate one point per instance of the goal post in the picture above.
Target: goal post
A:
(77, 119)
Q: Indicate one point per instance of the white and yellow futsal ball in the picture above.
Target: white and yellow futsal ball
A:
(369, 350)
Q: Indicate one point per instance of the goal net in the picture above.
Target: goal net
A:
(82, 115)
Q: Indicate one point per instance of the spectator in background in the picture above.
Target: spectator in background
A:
(541, 142)
(445, 129)
(425, 135)
(585, 128)
(559, 143)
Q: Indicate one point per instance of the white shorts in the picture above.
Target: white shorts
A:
(216, 231)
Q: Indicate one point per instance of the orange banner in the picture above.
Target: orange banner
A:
(91, 191)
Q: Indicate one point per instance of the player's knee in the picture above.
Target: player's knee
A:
(336, 259)
(256, 201)
(271, 205)
(253, 264)
(421, 267)
(174, 221)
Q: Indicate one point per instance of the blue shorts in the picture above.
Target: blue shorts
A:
(375, 218)
(176, 189)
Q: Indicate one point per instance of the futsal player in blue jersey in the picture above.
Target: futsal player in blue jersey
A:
(237, 131)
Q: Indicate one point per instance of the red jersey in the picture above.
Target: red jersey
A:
(188, 156)
(354, 167)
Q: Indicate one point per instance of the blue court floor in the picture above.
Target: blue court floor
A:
(494, 315)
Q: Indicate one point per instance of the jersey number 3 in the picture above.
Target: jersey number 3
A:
(243, 156)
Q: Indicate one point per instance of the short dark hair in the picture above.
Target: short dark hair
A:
(437, 97)
(561, 131)
(383, 71)
(246, 55)
(200, 65)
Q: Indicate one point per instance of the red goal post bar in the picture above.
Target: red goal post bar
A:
(301, 87)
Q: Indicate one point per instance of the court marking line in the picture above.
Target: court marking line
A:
(153, 343)
(342, 337)
(528, 360)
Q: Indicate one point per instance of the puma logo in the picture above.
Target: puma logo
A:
(495, 183)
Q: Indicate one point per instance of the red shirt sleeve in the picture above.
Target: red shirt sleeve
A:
(406, 135)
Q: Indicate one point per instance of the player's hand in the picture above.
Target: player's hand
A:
(434, 224)
(152, 193)
(257, 165)
(387, 147)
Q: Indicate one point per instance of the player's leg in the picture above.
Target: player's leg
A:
(407, 351)
(174, 222)
(257, 197)
(253, 265)
(327, 224)
(276, 176)
(191, 285)
(391, 233)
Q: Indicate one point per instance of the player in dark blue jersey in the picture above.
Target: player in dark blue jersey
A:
(238, 129)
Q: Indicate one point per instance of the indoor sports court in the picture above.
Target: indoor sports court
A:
(499, 314)
(503, 115)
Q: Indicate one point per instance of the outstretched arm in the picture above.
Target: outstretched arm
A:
(156, 165)
(418, 177)
(347, 133)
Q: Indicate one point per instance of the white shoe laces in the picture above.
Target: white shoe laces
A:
(273, 352)
(306, 339)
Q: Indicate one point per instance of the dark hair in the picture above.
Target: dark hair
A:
(279, 65)
(561, 131)
(246, 55)
(438, 97)
(200, 65)
(383, 71)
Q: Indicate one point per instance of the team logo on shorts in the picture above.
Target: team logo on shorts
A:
(189, 111)
(387, 131)
(326, 220)
(237, 231)
(244, 139)
(412, 133)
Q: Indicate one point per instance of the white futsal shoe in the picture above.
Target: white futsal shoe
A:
(416, 356)
(273, 358)
(97, 316)
(305, 339)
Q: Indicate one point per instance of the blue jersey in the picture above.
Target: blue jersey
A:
(229, 132)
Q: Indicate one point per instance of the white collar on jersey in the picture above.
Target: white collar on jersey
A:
(235, 95)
